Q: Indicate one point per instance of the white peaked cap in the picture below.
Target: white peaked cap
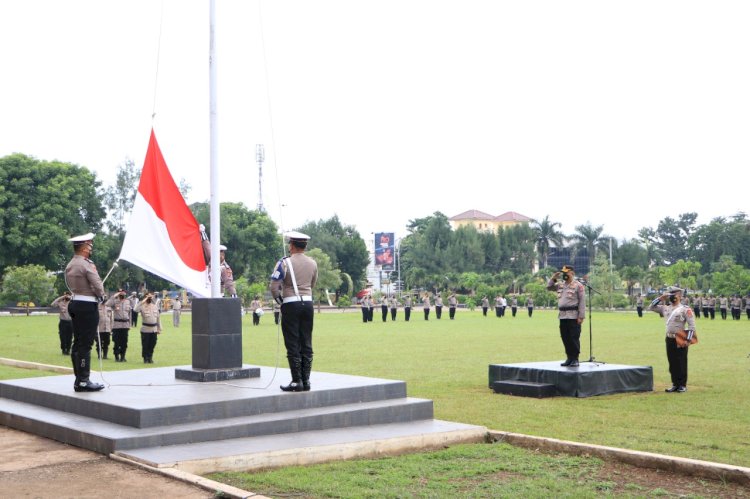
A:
(222, 247)
(82, 239)
(296, 236)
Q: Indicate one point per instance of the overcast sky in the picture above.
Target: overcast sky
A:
(613, 113)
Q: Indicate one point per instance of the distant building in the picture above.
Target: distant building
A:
(484, 222)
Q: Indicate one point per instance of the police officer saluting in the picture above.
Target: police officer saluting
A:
(571, 305)
(87, 291)
(291, 286)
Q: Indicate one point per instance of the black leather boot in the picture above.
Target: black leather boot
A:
(74, 361)
(295, 366)
(306, 368)
(83, 384)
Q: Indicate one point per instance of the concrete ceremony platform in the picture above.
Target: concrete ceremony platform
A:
(149, 416)
(544, 379)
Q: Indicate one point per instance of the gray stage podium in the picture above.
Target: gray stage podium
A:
(548, 379)
(219, 414)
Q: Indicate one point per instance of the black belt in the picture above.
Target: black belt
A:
(566, 309)
(122, 320)
(148, 324)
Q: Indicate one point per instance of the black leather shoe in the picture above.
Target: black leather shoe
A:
(672, 389)
(681, 389)
(574, 363)
(294, 386)
(305, 386)
(87, 386)
(566, 363)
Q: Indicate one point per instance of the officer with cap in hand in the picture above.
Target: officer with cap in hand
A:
(87, 290)
(291, 286)
(571, 306)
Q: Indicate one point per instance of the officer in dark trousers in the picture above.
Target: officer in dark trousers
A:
(407, 308)
(571, 305)
(291, 286)
(87, 290)
(678, 318)
(64, 326)
(123, 312)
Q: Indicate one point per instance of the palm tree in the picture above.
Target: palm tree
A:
(589, 237)
(546, 233)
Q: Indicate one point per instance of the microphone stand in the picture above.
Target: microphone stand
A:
(589, 289)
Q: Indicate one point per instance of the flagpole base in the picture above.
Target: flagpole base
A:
(217, 340)
(208, 375)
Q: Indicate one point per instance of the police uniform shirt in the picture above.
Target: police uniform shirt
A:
(82, 278)
(105, 318)
(678, 317)
(62, 304)
(439, 301)
(485, 303)
(393, 303)
(407, 303)
(723, 302)
(452, 301)
(426, 302)
(151, 318)
(121, 309)
(227, 278)
(305, 273)
(569, 295)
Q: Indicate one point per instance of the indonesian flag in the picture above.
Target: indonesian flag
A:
(163, 236)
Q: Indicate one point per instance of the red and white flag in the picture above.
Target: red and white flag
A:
(163, 236)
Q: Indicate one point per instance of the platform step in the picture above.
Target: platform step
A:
(106, 437)
(303, 448)
(524, 388)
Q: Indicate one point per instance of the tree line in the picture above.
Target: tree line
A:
(43, 203)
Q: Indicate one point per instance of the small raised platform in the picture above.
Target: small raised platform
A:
(586, 380)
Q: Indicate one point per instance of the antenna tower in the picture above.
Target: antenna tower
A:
(260, 156)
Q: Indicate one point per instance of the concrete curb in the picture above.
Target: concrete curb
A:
(684, 466)
(199, 481)
(35, 365)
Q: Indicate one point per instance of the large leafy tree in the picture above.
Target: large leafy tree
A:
(630, 253)
(517, 248)
(329, 277)
(721, 237)
(251, 237)
(119, 198)
(42, 204)
(546, 234)
(343, 244)
(28, 284)
(670, 238)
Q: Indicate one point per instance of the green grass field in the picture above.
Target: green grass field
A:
(447, 361)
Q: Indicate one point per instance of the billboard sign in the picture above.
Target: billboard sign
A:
(385, 250)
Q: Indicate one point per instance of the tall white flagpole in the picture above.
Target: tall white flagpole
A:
(213, 161)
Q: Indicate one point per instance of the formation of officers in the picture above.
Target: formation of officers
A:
(707, 305)
(389, 305)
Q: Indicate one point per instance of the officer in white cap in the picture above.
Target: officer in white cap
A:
(87, 290)
(291, 286)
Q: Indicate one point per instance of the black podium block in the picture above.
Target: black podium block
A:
(217, 341)
(586, 380)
